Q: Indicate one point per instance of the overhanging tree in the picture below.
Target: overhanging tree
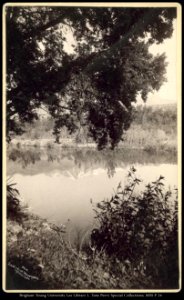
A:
(96, 84)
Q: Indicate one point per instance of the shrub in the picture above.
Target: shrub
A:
(15, 211)
(141, 229)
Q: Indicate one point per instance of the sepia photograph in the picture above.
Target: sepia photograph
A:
(92, 148)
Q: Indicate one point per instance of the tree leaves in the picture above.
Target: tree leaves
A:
(137, 224)
(109, 55)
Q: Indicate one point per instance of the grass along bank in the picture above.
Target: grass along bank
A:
(135, 245)
(152, 129)
(135, 138)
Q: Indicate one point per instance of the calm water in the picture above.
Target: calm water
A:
(58, 184)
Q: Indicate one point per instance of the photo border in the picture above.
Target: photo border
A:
(94, 4)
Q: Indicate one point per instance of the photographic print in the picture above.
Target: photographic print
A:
(92, 150)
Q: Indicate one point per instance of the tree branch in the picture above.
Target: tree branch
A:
(37, 31)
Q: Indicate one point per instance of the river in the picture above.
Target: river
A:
(63, 185)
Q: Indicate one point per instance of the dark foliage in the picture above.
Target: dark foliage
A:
(100, 80)
(15, 211)
(141, 230)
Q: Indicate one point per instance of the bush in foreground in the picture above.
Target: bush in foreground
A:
(141, 230)
(15, 211)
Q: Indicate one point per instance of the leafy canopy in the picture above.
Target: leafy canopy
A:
(96, 83)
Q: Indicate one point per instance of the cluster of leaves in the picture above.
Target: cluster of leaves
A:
(110, 64)
(14, 209)
(141, 229)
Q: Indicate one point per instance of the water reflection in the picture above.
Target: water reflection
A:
(58, 184)
(59, 196)
(25, 157)
(80, 159)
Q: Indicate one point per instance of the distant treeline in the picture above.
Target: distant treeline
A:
(151, 126)
(154, 128)
(159, 116)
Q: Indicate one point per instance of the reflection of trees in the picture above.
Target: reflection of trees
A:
(111, 168)
(52, 157)
(87, 159)
(25, 157)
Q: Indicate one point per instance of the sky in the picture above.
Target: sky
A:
(168, 92)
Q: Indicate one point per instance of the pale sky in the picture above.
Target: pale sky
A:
(168, 91)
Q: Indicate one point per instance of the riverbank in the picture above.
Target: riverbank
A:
(40, 255)
(150, 146)
(50, 143)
